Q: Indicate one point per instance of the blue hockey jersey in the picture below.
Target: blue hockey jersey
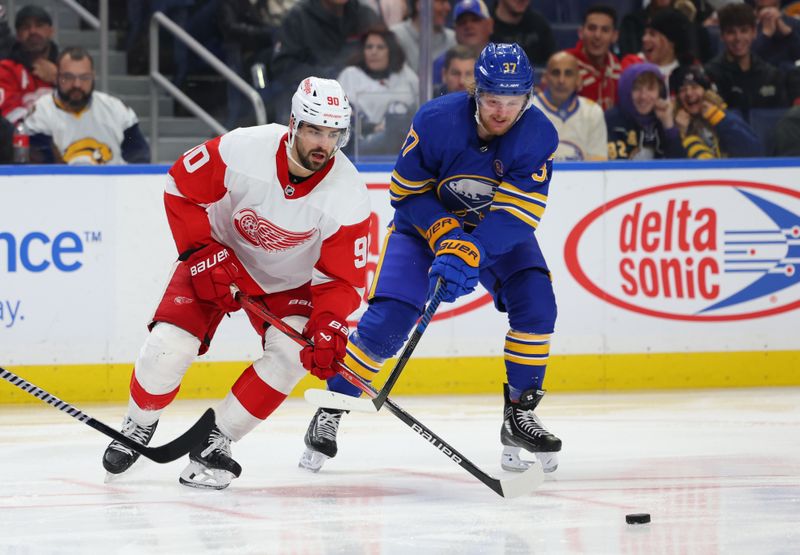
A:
(497, 189)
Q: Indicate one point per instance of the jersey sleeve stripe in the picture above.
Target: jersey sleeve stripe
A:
(517, 212)
(401, 188)
(510, 189)
(524, 204)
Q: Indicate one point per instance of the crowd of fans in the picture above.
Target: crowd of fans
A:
(621, 80)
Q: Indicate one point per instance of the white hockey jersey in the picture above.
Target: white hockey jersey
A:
(235, 189)
(91, 136)
(581, 126)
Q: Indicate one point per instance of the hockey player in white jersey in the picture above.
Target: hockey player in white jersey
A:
(283, 215)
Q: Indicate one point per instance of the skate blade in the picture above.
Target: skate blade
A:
(511, 462)
(198, 476)
(312, 460)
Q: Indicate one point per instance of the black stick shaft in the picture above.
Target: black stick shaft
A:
(426, 433)
(402, 360)
(162, 454)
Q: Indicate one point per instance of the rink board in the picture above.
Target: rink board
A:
(667, 275)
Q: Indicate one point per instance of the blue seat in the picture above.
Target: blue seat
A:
(764, 121)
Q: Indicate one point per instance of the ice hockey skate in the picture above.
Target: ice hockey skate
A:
(210, 463)
(522, 429)
(320, 439)
(118, 458)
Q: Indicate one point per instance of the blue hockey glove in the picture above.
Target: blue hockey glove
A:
(458, 263)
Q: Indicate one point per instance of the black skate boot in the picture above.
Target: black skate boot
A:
(210, 463)
(321, 439)
(118, 458)
(522, 429)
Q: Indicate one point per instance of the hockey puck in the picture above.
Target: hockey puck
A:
(637, 518)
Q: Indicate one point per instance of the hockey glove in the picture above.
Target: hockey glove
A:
(444, 228)
(329, 334)
(213, 269)
(458, 263)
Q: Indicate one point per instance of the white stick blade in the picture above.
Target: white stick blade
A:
(524, 483)
(333, 400)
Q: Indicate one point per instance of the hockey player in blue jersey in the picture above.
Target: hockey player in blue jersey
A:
(469, 188)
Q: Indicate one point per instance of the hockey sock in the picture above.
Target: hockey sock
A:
(526, 356)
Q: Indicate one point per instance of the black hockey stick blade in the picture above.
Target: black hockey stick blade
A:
(521, 484)
(168, 452)
(402, 360)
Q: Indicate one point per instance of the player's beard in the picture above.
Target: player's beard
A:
(75, 102)
(307, 160)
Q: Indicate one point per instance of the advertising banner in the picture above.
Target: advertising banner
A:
(645, 259)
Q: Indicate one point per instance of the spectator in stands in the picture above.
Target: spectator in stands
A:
(6, 38)
(707, 128)
(514, 21)
(407, 33)
(247, 40)
(641, 126)
(459, 69)
(743, 79)
(787, 134)
(317, 38)
(473, 27)
(383, 91)
(665, 42)
(599, 68)
(778, 39)
(30, 72)
(632, 28)
(391, 12)
(78, 125)
(579, 121)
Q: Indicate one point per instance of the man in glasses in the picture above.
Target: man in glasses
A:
(78, 125)
(30, 71)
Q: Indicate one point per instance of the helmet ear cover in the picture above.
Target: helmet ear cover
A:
(320, 102)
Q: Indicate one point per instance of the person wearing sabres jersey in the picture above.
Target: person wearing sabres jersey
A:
(469, 189)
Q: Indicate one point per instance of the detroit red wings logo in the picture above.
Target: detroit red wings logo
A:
(265, 234)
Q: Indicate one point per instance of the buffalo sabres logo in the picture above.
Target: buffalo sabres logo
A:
(87, 151)
(263, 233)
(468, 197)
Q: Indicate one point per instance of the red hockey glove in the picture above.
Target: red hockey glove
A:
(329, 334)
(214, 268)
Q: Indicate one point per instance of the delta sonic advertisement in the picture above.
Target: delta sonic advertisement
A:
(661, 263)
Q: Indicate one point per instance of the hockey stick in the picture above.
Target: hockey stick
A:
(331, 399)
(521, 484)
(168, 452)
(427, 316)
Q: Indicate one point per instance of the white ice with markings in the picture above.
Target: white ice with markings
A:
(718, 470)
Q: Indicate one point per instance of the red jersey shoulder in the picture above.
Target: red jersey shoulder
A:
(200, 173)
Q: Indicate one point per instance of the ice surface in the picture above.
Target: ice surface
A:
(718, 470)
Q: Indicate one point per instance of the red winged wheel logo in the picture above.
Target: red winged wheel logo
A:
(265, 234)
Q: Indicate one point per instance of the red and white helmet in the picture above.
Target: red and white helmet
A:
(320, 102)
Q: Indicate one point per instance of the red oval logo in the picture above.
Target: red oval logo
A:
(712, 251)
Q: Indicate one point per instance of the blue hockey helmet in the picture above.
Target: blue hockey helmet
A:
(503, 69)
